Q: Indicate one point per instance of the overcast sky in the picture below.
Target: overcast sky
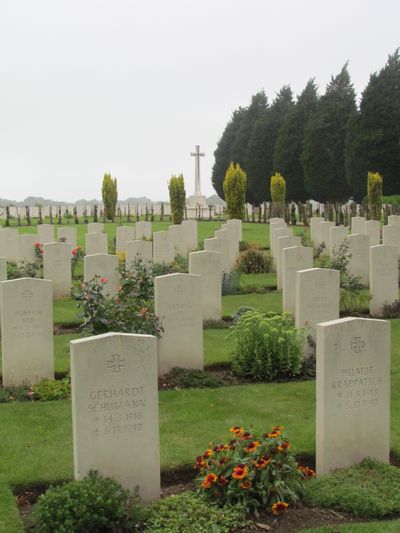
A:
(129, 87)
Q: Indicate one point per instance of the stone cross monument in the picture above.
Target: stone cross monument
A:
(197, 199)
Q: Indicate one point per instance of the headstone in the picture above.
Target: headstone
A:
(178, 305)
(115, 410)
(106, 267)
(26, 247)
(143, 230)
(315, 229)
(139, 250)
(27, 331)
(273, 225)
(190, 228)
(96, 243)
(234, 244)
(207, 265)
(68, 235)
(359, 256)
(353, 392)
(276, 233)
(57, 267)
(45, 233)
(293, 259)
(390, 236)
(394, 220)
(337, 235)
(237, 224)
(384, 277)
(95, 227)
(373, 229)
(3, 277)
(223, 247)
(124, 234)
(325, 228)
(317, 297)
(9, 244)
(358, 225)
(178, 240)
(283, 242)
(163, 251)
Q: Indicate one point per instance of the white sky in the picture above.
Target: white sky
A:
(129, 87)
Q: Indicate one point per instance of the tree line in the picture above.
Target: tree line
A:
(324, 146)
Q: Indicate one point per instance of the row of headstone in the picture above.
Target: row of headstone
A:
(226, 242)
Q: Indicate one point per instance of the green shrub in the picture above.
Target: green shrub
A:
(254, 470)
(177, 198)
(235, 183)
(266, 347)
(50, 389)
(374, 188)
(254, 261)
(92, 505)
(22, 269)
(189, 513)
(15, 394)
(240, 312)
(367, 490)
(182, 378)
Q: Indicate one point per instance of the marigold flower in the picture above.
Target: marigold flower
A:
(252, 446)
(223, 481)
(284, 446)
(209, 480)
(103, 280)
(246, 484)
(273, 434)
(223, 447)
(247, 435)
(207, 453)
(240, 472)
(279, 508)
(237, 431)
(307, 472)
(262, 462)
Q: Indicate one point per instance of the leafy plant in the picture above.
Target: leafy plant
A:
(375, 195)
(15, 394)
(254, 261)
(353, 297)
(182, 378)
(254, 470)
(23, 269)
(235, 183)
(188, 512)
(391, 310)
(177, 198)
(278, 194)
(266, 348)
(91, 505)
(77, 258)
(51, 389)
(110, 195)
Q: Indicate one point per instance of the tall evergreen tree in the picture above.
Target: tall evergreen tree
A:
(223, 152)
(289, 144)
(373, 140)
(324, 141)
(260, 149)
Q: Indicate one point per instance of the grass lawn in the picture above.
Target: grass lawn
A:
(384, 526)
(255, 282)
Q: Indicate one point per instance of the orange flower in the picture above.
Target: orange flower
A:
(274, 434)
(237, 431)
(200, 463)
(252, 446)
(223, 447)
(262, 462)
(223, 481)
(307, 472)
(278, 428)
(279, 508)
(284, 446)
(207, 453)
(209, 480)
(245, 484)
(240, 472)
(247, 435)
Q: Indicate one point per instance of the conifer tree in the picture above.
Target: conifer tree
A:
(235, 191)
(177, 198)
(110, 196)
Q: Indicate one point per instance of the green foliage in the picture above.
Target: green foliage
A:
(182, 378)
(77, 258)
(50, 389)
(235, 183)
(91, 505)
(189, 513)
(15, 394)
(324, 141)
(177, 198)
(353, 297)
(254, 261)
(375, 195)
(260, 149)
(392, 200)
(254, 470)
(278, 188)
(367, 490)
(240, 312)
(266, 348)
(110, 196)
(374, 133)
(23, 269)
(289, 143)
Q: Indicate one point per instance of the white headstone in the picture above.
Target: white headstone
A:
(143, 230)
(273, 225)
(178, 305)
(359, 256)
(124, 234)
(95, 227)
(325, 228)
(373, 229)
(139, 250)
(178, 240)
(353, 392)
(96, 243)
(26, 247)
(237, 224)
(27, 331)
(57, 267)
(276, 233)
(315, 229)
(45, 233)
(163, 251)
(337, 235)
(234, 244)
(207, 265)
(9, 244)
(384, 277)
(3, 277)
(394, 220)
(190, 229)
(317, 297)
(283, 242)
(106, 267)
(68, 235)
(293, 259)
(223, 247)
(390, 236)
(115, 410)
(358, 225)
